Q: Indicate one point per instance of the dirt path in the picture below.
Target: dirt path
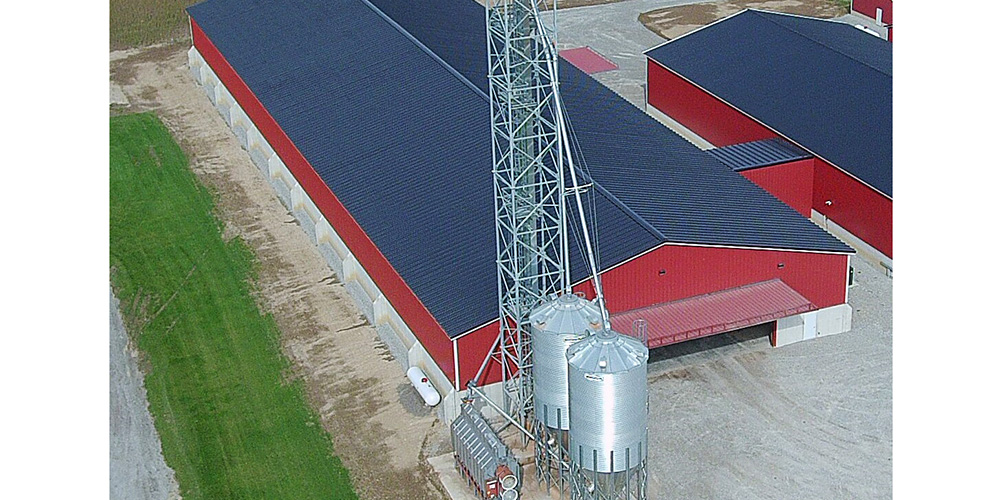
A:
(672, 22)
(137, 469)
(377, 425)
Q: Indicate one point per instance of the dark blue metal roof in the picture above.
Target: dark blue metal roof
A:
(823, 84)
(758, 154)
(683, 193)
(404, 143)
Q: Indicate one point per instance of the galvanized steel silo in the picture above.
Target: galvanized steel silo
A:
(555, 325)
(609, 402)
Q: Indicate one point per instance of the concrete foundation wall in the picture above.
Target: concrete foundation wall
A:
(865, 251)
(195, 63)
(813, 324)
(389, 325)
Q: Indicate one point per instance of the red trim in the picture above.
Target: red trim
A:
(430, 333)
(473, 348)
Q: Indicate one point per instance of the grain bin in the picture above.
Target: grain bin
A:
(609, 406)
(555, 325)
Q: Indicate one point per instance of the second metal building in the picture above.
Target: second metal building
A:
(816, 86)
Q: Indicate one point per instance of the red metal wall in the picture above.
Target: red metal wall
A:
(473, 349)
(790, 182)
(413, 312)
(867, 7)
(705, 115)
(854, 206)
(673, 272)
(861, 210)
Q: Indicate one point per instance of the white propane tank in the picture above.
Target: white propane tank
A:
(423, 386)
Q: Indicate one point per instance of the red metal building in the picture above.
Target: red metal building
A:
(776, 265)
(822, 86)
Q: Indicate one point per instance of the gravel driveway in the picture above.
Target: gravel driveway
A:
(138, 471)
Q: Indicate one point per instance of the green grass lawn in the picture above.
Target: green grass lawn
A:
(232, 424)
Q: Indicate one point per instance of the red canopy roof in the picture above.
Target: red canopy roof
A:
(588, 60)
(718, 312)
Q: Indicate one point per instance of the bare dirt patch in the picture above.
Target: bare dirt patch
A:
(376, 428)
(672, 22)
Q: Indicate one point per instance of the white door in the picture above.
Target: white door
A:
(809, 325)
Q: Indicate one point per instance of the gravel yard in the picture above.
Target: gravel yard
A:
(731, 417)
(614, 31)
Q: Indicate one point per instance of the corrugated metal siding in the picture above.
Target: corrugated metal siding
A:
(758, 154)
(674, 272)
(865, 213)
(690, 271)
(715, 313)
(473, 348)
(683, 192)
(823, 84)
(410, 160)
(790, 182)
(712, 119)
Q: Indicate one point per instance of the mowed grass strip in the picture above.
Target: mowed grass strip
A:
(232, 424)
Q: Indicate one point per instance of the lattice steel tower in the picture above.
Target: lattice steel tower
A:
(528, 185)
